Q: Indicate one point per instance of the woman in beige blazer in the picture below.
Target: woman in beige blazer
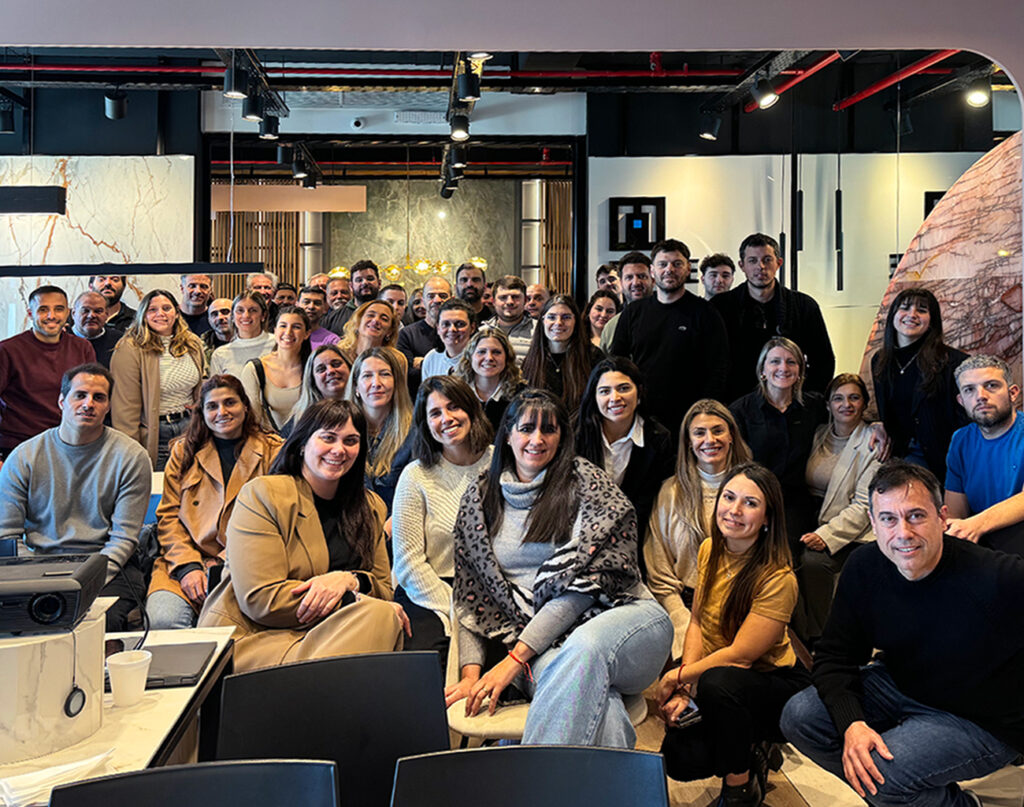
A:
(307, 572)
(840, 468)
(223, 448)
(158, 366)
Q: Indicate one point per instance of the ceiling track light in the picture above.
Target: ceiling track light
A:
(309, 182)
(284, 154)
(764, 93)
(447, 192)
(6, 116)
(253, 107)
(459, 156)
(467, 83)
(269, 127)
(979, 92)
(710, 124)
(236, 82)
(115, 104)
(299, 169)
(460, 128)
(480, 55)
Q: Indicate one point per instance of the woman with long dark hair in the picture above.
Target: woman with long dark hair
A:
(603, 305)
(307, 574)
(451, 446)
(273, 381)
(158, 367)
(222, 449)
(547, 586)
(615, 433)
(739, 667)
(561, 356)
(912, 374)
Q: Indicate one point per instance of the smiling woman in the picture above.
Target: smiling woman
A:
(309, 574)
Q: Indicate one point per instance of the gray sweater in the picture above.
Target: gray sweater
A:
(85, 498)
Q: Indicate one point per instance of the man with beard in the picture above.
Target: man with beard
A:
(195, 300)
(313, 300)
(365, 288)
(469, 287)
(985, 463)
(417, 340)
(635, 273)
(510, 314)
(119, 315)
(339, 292)
(676, 339)
(89, 318)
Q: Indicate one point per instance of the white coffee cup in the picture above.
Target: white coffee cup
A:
(128, 671)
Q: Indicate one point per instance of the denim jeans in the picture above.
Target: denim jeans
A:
(577, 697)
(932, 750)
(168, 431)
(167, 610)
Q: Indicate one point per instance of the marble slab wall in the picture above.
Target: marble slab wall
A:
(120, 210)
(481, 220)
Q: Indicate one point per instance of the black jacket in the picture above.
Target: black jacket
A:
(648, 467)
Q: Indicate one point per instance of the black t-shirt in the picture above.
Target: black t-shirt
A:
(197, 323)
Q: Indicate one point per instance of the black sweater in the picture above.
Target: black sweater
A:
(953, 640)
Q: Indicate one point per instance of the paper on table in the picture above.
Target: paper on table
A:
(34, 788)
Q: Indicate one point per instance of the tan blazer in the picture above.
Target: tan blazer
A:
(275, 543)
(844, 511)
(135, 401)
(194, 510)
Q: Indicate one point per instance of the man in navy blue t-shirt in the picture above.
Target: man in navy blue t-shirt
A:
(985, 463)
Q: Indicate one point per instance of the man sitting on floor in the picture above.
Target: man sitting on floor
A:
(81, 487)
(942, 702)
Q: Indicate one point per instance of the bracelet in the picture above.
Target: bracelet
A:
(525, 665)
(679, 676)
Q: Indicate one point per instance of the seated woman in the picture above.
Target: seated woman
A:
(709, 446)
(273, 382)
(249, 317)
(560, 357)
(452, 445)
(738, 665)
(549, 544)
(223, 448)
(839, 471)
(912, 374)
(324, 376)
(602, 307)
(372, 324)
(614, 433)
(778, 420)
(307, 574)
(375, 386)
(488, 365)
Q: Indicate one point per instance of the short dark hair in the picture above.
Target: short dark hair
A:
(606, 269)
(466, 267)
(760, 240)
(670, 245)
(286, 287)
(39, 291)
(93, 277)
(510, 282)
(899, 473)
(718, 259)
(393, 287)
(363, 266)
(456, 304)
(425, 448)
(89, 368)
(313, 290)
(634, 257)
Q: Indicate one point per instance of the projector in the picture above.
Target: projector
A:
(48, 593)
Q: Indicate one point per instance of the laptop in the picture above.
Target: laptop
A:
(176, 665)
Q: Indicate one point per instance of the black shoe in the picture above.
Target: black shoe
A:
(765, 757)
(748, 794)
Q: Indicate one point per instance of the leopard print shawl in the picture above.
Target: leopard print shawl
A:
(599, 559)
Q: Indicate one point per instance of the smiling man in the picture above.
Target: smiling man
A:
(676, 339)
(89, 321)
(455, 325)
(313, 300)
(985, 463)
(81, 488)
(511, 316)
(195, 300)
(31, 366)
(943, 702)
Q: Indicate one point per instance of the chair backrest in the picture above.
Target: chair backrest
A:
(362, 711)
(557, 776)
(262, 783)
(9, 547)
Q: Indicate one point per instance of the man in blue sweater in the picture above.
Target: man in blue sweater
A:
(941, 701)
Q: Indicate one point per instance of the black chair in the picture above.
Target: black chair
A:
(262, 783)
(9, 547)
(555, 776)
(362, 711)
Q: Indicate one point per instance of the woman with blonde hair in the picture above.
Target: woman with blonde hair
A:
(158, 367)
(709, 446)
(488, 365)
(377, 386)
(372, 324)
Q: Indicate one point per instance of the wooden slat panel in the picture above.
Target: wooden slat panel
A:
(272, 238)
(556, 262)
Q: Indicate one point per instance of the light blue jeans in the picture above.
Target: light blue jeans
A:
(167, 610)
(932, 750)
(577, 697)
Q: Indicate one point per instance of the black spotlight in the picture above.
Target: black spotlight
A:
(299, 170)
(236, 82)
(284, 155)
(309, 182)
(460, 127)
(468, 85)
(268, 127)
(6, 116)
(115, 104)
(252, 107)
(459, 156)
(709, 126)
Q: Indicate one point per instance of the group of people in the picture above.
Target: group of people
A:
(660, 487)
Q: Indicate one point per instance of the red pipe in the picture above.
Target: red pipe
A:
(899, 75)
(788, 84)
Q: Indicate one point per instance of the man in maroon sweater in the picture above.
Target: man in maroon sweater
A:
(31, 366)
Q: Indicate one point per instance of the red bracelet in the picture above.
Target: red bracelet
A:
(679, 676)
(523, 664)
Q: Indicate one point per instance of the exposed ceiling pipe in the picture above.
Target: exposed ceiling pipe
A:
(910, 70)
(788, 84)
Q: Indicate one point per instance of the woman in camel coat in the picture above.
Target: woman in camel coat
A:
(307, 571)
